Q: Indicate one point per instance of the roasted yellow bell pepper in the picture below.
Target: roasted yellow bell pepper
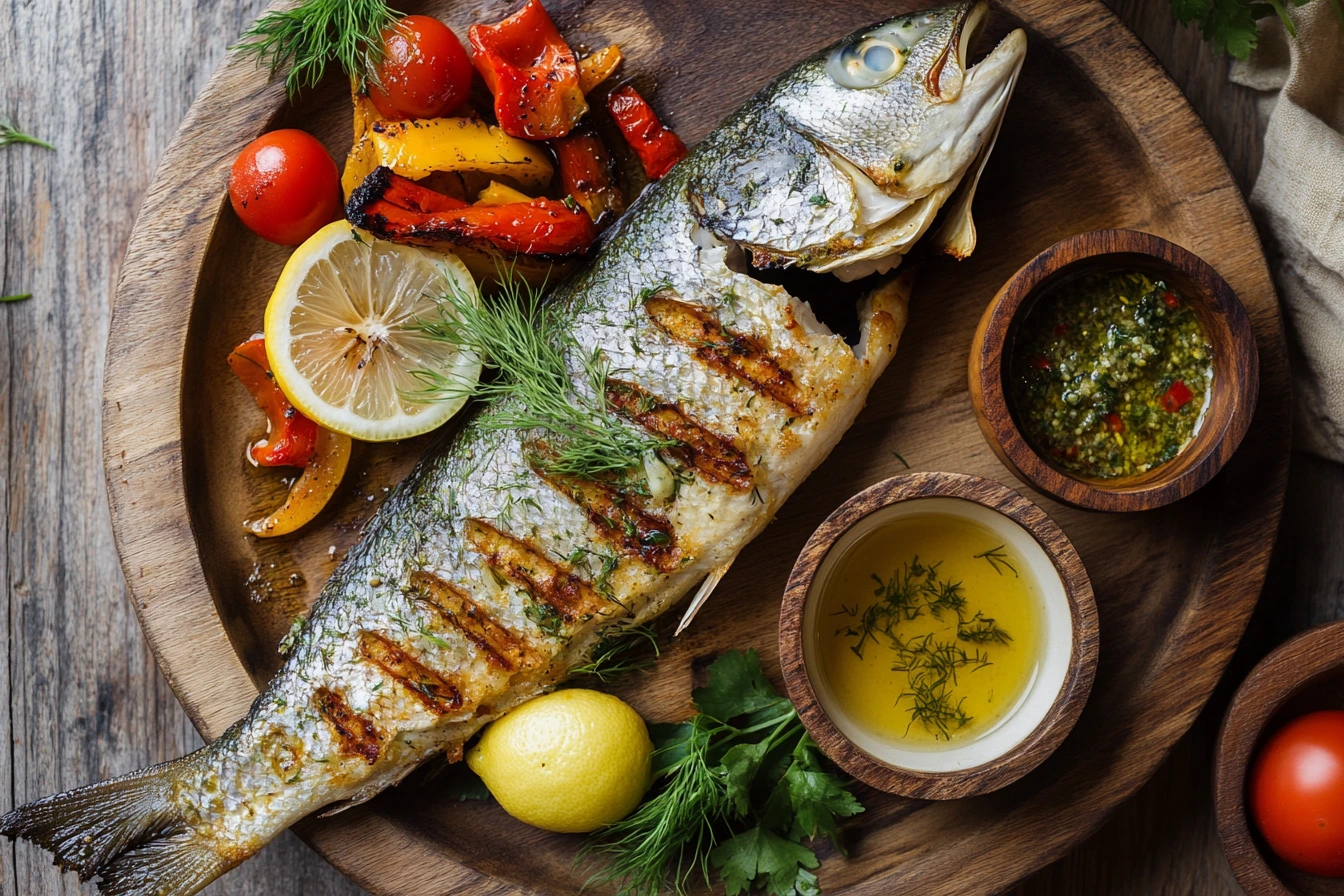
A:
(418, 148)
(313, 489)
(598, 67)
(500, 194)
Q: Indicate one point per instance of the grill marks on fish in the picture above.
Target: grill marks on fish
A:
(501, 647)
(620, 521)
(735, 354)
(553, 585)
(439, 695)
(356, 735)
(713, 456)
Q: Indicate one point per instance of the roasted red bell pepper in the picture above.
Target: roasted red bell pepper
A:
(393, 208)
(1177, 397)
(586, 173)
(657, 147)
(1114, 423)
(532, 73)
(291, 438)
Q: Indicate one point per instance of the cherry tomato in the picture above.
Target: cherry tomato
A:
(285, 187)
(424, 72)
(1297, 793)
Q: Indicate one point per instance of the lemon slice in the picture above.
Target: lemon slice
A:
(344, 339)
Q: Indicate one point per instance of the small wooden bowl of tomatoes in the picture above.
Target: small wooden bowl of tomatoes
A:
(1279, 770)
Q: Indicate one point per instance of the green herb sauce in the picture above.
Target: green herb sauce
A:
(1109, 375)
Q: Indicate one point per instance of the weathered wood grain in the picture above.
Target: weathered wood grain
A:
(133, 67)
(108, 83)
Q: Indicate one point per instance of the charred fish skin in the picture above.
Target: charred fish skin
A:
(482, 580)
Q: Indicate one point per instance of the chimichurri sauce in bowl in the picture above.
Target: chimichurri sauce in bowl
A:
(1110, 374)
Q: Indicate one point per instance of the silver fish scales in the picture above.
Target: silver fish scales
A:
(484, 579)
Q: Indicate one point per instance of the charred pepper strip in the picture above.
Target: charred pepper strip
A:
(538, 227)
(657, 147)
(291, 438)
(586, 172)
(311, 492)
(532, 73)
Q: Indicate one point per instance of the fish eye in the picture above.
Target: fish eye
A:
(877, 56)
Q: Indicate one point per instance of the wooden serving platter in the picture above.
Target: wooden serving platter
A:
(1096, 136)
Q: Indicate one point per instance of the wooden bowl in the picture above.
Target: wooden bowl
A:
(1055, 698)
(1302, 675)
(1235, 384)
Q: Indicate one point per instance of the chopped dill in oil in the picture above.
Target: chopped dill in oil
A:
(933, 648)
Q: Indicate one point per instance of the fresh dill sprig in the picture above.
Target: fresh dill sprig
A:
(982, 629)
(669, 838)
(529, 348)
(623, 649)
(10, 135)
(997, 559)
(931, 664)
(316, 32)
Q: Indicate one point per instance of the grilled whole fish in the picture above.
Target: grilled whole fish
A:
(457, 606)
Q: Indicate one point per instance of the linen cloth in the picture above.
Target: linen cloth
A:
(1298, 201)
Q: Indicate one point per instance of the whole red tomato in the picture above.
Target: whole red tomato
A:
(1297, 793)
(424, 72)
(285, 187)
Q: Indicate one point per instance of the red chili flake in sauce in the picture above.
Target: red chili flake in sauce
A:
(1177, 397)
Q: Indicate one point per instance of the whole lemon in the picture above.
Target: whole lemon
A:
(570, 761)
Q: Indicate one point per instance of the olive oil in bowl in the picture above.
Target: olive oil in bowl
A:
(937, 634)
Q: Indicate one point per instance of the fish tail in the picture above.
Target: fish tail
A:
(129, 831)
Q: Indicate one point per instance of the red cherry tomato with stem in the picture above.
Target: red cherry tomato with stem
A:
(285, 187)
(424, 72)
(1297, 793)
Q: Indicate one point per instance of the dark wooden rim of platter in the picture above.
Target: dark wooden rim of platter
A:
(146, 389)
(1068, 703)
(1283, 677)
(1235, 381)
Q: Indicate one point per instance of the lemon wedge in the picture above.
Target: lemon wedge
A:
(344, 337)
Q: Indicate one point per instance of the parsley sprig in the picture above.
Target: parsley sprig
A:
(1230, 24)
(741, 785)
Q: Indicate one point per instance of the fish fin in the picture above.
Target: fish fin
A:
(706, 589)
(127, 830)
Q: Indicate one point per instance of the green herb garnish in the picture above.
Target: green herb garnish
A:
(622, 649)
(528, 347)
(741, 786)
(997, 559)
(914, 590)
(10, 135)
(21, 297)
(1230, 24)
(316, 32)
(292, 636)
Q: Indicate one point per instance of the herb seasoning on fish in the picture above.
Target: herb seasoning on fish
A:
(1110, 373)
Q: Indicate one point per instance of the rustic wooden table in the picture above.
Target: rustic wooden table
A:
(108, 84)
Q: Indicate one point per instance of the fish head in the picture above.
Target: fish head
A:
(899, 101)
(875, 133)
